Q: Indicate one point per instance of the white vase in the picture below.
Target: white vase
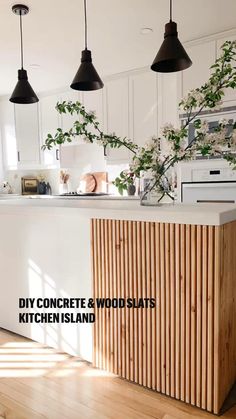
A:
(63, 188)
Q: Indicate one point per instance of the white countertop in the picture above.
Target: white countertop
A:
(123, 209)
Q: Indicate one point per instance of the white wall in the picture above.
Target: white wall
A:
(56, 267)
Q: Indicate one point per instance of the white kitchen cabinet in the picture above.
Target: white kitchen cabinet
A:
(83, 156)
(68, 120)
(143, 107)
(86, 158)
(203, 56)
(230, 94)
(117, 116)
(93, 101)
(50, 120)
(8, 135)
(168, 98)
(168, 84)
(27, 135)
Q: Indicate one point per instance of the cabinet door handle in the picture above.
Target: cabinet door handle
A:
(57, 154)
(18, 155)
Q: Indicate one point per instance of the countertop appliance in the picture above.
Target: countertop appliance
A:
(29, 185)
(207, 182)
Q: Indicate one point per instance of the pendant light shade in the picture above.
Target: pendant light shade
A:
(171, 56)
(23, 92)
(86, 77)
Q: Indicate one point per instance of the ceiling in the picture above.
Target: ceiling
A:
(53, 35)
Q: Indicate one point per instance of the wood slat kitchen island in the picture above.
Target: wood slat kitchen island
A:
(181, 255)
(186, 346)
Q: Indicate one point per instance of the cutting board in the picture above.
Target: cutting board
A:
(94, 182)
(87, 183)
(102, 181)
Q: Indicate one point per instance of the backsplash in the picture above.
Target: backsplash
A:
(52, 176)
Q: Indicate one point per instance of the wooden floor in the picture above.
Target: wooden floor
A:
(39, 382)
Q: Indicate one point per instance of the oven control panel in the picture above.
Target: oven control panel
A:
(213, 174)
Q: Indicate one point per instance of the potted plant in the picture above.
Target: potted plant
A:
(125, 182)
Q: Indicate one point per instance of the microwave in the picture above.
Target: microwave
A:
(29, 186)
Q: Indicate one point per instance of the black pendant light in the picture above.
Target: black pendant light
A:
(86, 77)
(171, 55)
(23, 92)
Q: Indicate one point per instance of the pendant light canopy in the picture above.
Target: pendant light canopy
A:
(23, 92)
(86, 77)
(171, 55)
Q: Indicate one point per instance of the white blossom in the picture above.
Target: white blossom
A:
(86, 140)
(166, 129)
(203, 128)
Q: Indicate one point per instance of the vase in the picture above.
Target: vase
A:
(156, 198)
(63, 188)
(131, 190)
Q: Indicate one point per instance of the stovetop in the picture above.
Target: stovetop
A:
(85, 194)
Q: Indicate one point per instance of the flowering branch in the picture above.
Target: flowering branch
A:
(219, 141)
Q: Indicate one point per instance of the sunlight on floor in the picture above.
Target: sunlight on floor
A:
(30, 359)
(97, 373)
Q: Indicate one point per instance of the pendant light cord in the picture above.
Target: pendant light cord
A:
(85, 24)
(170, 10)
(21, 42)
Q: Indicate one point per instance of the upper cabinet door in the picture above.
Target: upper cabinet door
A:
(27, 134)
(230, 94)
(117, 116)
(8, 135)
(93, 101)
(143, 107)
(202, 56)
(68, 120)
(50, 120)
(87, 157)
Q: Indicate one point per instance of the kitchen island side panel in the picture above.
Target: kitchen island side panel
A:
(185, 346)
(226, 312)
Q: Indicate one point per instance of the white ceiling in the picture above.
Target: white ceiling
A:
(53, 35)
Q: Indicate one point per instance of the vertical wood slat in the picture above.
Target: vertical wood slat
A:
(148, 280)
(144, 313)
(204, 315)
(177, 348)
(115, 294)
(153, 320)
(193, 280)
(182, 311)
(135, 293)
(163, 309)
(216, 320)
(199, 318)
(111, 294)
(177, 312)
(126, 295)
(100, 314)
(130, 328)
(107, 295)
(139, 294)
(210, 318)
(118, 285)
(188, 313)
(167, 299)
(122, 295)
(158, 310)
(172, 312)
